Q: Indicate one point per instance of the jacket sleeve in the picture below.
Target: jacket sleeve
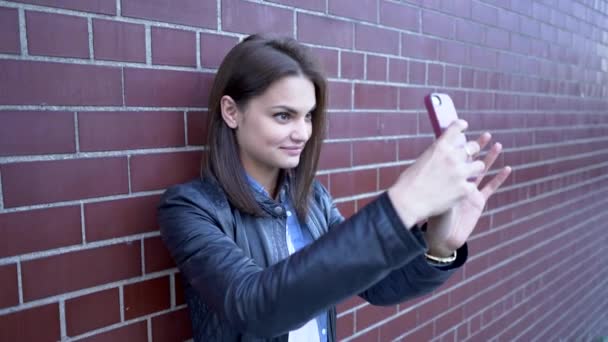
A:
(274, 300)
(412, 279)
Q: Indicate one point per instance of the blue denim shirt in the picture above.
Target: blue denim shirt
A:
(299, 239)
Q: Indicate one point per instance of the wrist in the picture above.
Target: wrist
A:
(441, 260)
(407, 212)
(440, 252)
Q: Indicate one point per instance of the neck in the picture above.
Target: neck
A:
(268, 180)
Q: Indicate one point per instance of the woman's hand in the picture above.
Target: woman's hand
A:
(450, 230)
(437, 181)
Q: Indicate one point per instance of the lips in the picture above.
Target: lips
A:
(293, 150)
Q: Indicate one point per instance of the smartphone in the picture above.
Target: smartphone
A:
(442, 113)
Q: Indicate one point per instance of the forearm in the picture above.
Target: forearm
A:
(413, 279)
(270, 301)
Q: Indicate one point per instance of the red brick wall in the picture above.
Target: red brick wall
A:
(102, 106)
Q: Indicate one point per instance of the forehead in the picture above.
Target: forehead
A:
(296, 91)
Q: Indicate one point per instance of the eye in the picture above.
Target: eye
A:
(309, 116)
(282, 116)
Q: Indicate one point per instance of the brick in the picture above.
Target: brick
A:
(118, 41)
(40, 323)
(394, 328)
(173, 47)
(9, 291)
(412, 98)
(42, 83)
(314, 5)
(371, 314)
(372, 152)
(335, 155)
(497, 38)
(328, 60)
(435, 76)
(197, 127)
(369, 336)
(484, 13)
(81, 269)
(351, 64)
(397, 70)
(508, 20)
(99, 6)
(369, 38)
(104, 131)
(478, 100)
(345, 326)
(313, 29)
(245, 17)
(457, 8)
(323, 179)
(349, 183)
(376, 68)
(156, 255)
(387, 176)
(419, 47)
(365, 10)
(92, 311)
(339, 95)
(437, 24)
(24, 133)
(453, 52)
(146, 297)
(346, 125)
(417, 73)
(468, 31)
(9, 31)
(158, 171)
(529, 27)
(119, 218)
(352, 302)
(52, 34)
(166, 88)
(63, 180)
(399, 15)
(38, 230)
(214, 48)
(179, 290)
(347, 209)
(448, 320)
(397, 124)
(189, 12)
(520, 44)
(371, 96)
(483, 58)
(452, 76)
(172, 326)
(136, 332)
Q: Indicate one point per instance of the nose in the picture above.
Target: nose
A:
(302, 129)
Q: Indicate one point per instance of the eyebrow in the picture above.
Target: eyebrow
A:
(291, 110)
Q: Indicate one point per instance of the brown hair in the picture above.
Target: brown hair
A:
(247, 71)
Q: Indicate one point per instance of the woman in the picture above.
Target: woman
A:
(265, 254)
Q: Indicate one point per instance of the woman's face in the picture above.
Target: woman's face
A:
(275, 126)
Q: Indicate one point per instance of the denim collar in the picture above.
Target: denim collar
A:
(262, 196)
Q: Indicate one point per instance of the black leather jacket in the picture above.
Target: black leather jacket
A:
(242, 285)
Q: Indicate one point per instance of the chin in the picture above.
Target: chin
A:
(290, 164)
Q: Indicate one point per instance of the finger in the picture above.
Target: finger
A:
(454, 133)
(490, 188)
(489, 160)
(471, 149)
(475, 169)
(484, 139)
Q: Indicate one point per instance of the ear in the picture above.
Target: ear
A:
(230, 111)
